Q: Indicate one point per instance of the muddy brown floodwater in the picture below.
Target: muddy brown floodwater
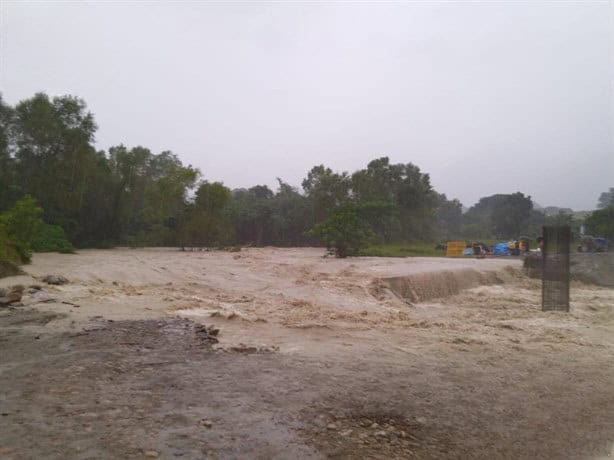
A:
(317, 358)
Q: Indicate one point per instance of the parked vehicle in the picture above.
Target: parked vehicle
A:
(594, 244)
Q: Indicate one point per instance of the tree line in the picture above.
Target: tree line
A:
(133, 196)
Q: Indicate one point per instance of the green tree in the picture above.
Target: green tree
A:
(380, 181)
(212, 197)
(206, 221)
(262, 217)
(403, 186)
(565, 218)
(606, 199)
(601, 223)
(18, 226)
(148, 194)
(291, 216)
(499, 216)
(96, 226)
(252, 214)
(209, 219)
(382, 217)
(129, 169)
(10, 189)
(55, 159)
(511, 216)
(344, 232)
(166, 196)
(326, 190)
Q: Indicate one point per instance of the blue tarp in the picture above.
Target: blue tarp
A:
(501, 249)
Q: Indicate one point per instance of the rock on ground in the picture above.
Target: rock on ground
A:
(55, 279)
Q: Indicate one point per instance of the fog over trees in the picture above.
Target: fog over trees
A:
(132, 196)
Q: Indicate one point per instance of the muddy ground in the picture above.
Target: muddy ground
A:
(317, 358)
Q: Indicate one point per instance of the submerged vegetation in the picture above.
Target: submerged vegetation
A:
(52, 177)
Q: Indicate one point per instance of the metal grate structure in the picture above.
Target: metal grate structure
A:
(555, 273)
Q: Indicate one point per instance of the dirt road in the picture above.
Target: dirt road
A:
(317, 358)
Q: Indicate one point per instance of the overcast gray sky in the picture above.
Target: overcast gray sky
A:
(487, 98)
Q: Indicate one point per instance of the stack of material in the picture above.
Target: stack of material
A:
(501, 249)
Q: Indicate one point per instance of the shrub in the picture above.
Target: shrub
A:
(51, 238)
(344, 232)
(601, 222)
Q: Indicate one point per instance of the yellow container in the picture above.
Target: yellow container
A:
(455, 248)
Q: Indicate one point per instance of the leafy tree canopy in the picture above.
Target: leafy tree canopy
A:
(499, 216)
(601, 223)
(606, 199)
(131, 195)
(18, 226)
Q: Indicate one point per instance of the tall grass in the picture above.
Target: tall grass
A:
(413, 249)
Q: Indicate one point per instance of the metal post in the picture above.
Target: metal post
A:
(555, 273)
